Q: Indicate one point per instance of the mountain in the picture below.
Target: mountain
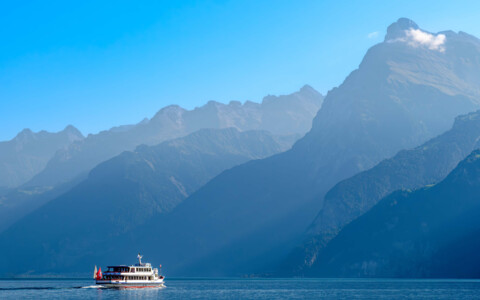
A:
(283, 115)
(408, 169)
(19, 202)
(124, 193)
(429, 232)
(249, 218)
(28, 153)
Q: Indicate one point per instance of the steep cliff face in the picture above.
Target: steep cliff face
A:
(417, 73)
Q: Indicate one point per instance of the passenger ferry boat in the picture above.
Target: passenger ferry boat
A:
(140, 275)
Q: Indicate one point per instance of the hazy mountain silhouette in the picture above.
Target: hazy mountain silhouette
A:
(125, 192)
(403, 94)
(431, 232)
(350, 198)
(283, 115)
(28, 153)
(407, 90)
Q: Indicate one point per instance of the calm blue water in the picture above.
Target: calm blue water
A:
(249, 289)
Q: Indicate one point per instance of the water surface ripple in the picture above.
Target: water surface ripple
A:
(248, 289)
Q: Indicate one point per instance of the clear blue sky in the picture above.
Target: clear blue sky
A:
(98, 64)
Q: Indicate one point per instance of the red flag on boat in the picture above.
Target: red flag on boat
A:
(99, 273)
(160, 266)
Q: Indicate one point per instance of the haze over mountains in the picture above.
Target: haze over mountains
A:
(126, 191)
(169, 171)
(283, 115)
(61, 165)
(28, 153)
(227, 205)
(289, 116)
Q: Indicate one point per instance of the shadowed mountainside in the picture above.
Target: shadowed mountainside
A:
(430, 232)
(349, 199)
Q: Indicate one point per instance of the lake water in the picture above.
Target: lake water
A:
(248, 289)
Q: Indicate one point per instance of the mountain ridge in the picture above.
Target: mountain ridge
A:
(293, 111)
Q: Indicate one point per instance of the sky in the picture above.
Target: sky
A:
(99, 64)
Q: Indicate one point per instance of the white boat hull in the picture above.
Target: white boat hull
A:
(130, 283)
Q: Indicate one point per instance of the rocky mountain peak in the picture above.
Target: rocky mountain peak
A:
(397, 29)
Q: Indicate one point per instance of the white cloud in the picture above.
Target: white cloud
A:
(419, 38)
(373, 35)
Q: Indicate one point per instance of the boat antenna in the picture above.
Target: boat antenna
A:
(139, 259)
